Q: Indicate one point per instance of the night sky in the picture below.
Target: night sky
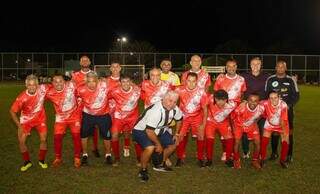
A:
(191, 27)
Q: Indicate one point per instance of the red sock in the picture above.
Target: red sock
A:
(76, 144)
(263, 147)
(127, 143)
(57, 145)
(200, 149)
(25, 156)
(209, 146)
(223, 142)
(255, 155)
(181, 148)
(95, 139)
(236, 155)
(229, 148)
(42, 155)
(138, 149)
(115, 149)
(284, 151)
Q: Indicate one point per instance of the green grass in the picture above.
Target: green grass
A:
(301, 177)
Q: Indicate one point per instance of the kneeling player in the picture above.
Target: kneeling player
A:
(245, 119)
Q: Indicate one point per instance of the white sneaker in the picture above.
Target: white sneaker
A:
(223, 157)
(126, 152)
(246, 156)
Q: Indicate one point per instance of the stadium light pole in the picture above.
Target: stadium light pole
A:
(121, 41)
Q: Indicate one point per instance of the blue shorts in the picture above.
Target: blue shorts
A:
(89, 122)
(142, 139)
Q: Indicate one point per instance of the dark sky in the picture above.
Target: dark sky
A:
(191, 27)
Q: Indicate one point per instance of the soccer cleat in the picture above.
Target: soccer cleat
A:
(179, 163)
(209, 163)
(108, 160)
(162, 168)
(229, 163)
(289, 159)
(77, 162)
(43, 164)
(246, 155)
(116, 163)
(274, 156)
(138, 164)
(255, 164)
(284, 164)
(236, 164)
(143, 175)
(84, 160)
(56, 163)
(201, 164)
(96, 153)
(223, 157)
(126, 152)
(262, 163)
(26, 166)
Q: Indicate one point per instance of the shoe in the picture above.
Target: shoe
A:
(77, 162)
(262, 163)
(84, 160)
(96, 153)
(274, 156)
(43, 164)
(126, 152)
(284, 164)
(229, 163)
(256, 164)
(201, 164)
(26, 166)
(116, 163)
(56, 163)
(209, 163)
(109, 160)
(289, 159)
(162, 168)
(168, 162)
(138, 164)
(246, 155)
(237, 164)
(143, 175)
(223, 157)
(179, 163)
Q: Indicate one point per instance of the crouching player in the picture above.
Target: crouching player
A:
(276, 112)
(245, 118)
(126, 113)
(32, 115)
(68, 112)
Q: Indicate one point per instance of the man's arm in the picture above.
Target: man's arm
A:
(15, 119)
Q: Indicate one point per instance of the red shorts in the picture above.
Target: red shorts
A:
(60, 128)
(252, 132)
(279, 130)
(223, 128)
(192, 122)
(123, 125)
(41, 127)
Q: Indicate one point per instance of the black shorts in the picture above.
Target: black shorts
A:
(90, 121)
(290, 117)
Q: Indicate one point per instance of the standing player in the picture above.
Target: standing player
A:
(94, 96)
(287, 87)
(32, 115)
(113, 82)
(68, 113)
(167, 74)
(193, 104)
(126, 113)
(204, 80)
(276, 111)
(245, 122)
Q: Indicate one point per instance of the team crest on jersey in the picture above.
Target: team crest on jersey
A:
(275, 84)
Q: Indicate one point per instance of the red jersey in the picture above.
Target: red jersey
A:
(233, 86)
(79, 77)
(113, 84)
(151, 93)
(95, 102)
(192, 101)
(219, 115)
(204, 79)
(275, 114)
(126, 102)
(246, 118)
(65, 103)
(31, 106)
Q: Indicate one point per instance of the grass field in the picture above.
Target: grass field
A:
(303, 176)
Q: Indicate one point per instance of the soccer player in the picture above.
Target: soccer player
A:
(287, 87)
(68, 113)
(219, 121)
(276, 111)
(193, 104)
(32, 115)
(151, 134)
(204, 80)
(113, 82)
(167, 74)
(79, 78)
(245, 122)
(126, 113)
(94, 96)
(153, 90)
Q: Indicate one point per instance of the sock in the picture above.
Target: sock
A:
(223, 142)
(274, 143)
(209, 147)
(76, 144)
(284, 151)
(138, 149)
(25, 156)
(236, 155)
(42, 154)
(95, 139)
(126, 143)
(181, 148)
(58, 145)
(245, 143)
(200, 149)
(229, 148)
(290, 145)
(115, 149)
(255, 155)
(263, 147)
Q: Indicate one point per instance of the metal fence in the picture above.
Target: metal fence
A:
(15, 66)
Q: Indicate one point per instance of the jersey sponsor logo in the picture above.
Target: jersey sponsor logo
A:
(286, 83)
(275, 84)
